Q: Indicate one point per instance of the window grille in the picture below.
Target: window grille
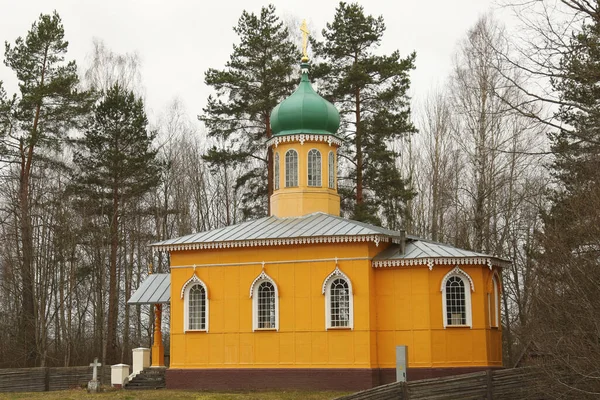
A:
(276, 171)
(197, 308)
(456, 305)
(291, 168)
(339, 306)
(266, 306)
(314, 168)
(331, 168)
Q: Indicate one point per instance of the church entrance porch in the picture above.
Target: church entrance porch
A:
(155, 291)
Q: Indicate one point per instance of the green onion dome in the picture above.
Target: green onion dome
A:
(304, 112)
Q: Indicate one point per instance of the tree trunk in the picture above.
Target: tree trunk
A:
(113, 300)
(359, 153)
(28, 325)
(269, 167)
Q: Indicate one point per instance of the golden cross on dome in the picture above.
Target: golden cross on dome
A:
(304, 30)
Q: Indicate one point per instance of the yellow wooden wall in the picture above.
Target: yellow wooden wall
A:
(302, 340)
(392, 306)
(409, 304)
(304, 199)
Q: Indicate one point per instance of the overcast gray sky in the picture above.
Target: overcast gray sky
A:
(178, 40)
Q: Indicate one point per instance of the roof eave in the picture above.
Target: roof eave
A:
(375, 238)
(430, 262)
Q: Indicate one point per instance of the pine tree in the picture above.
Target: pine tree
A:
(371, 93)
(38, 118)
(256, 78)
(568, 270)
(116, 165)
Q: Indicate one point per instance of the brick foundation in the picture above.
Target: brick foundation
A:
(350, 379)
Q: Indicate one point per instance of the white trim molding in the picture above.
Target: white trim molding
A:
(326, 290)
(193, 279)
(463, 274)
(185, 291)
(274, 242)
(467, 282)
(498, 280)
(431, 261)
(303, 137)
(261, 278)
(495, 322)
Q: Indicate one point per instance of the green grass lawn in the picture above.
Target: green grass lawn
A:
(172, 394)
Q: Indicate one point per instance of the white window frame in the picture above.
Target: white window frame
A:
(185, 291)
(318, 181)
(276, 171)
(495, 321)
(287, 168)
(331, 169)
(326, 290)
(468, 287)
(263, 277)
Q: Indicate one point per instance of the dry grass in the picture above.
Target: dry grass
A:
(165, 394)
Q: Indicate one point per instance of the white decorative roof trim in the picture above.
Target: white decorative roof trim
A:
(457, 271)
(274, 242)
(337, 273)
(430, 262)
(193, 280)
(262, 277)
(304, 137)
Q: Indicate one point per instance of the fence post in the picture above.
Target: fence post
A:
(47, 379)
(489, 381)
(404, 390)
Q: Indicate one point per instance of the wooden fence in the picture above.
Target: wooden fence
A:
(518, 383)
(45, 379)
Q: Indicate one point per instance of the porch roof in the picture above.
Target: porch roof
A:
(155, 289)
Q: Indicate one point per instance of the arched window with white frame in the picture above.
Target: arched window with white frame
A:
(265, 303)
(314, 168)
(195, 303)
(331, 170)
(339, 302)
(291, 168)
(276, 171)
(456, 298)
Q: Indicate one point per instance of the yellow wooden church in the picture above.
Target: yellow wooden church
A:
(306, 298)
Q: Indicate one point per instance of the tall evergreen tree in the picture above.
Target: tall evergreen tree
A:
(568, 272)
(116, 165)
(257, 76)
(47, 106)
(370, 92)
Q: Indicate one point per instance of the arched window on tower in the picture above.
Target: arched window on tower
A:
(291, 168)
(314, 168)
(331, 169)
(276, 171)
(456, 298)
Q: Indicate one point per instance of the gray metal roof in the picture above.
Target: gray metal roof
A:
(156, 289)
(309, 226)
(320, 227)
(417, 248)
